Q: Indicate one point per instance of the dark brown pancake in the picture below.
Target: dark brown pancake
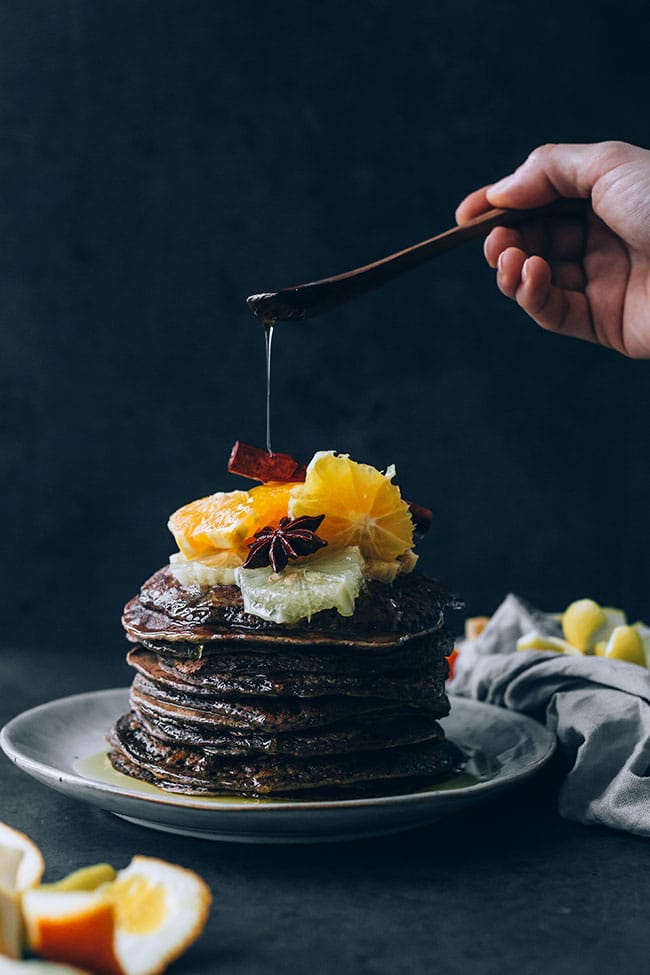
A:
(396, 727)
(208, 683)
(242, 658)
(274, 715)
(192, 770)
(225, 702)
(412, 605)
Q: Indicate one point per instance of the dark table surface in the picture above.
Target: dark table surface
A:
(506, 886)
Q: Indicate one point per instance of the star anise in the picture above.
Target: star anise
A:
(275, 546)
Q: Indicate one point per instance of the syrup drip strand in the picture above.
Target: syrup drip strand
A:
(268, 339)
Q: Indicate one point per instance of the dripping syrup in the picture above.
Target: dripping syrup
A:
(268, 341)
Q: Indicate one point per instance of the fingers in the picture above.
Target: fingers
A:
(552, 171)
(473, 205)
(556, 239)
(527, 280)
(564, 252)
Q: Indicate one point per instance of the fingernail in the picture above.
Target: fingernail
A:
(500, 261)
(524, 272)
(502, 185)
(485, 248)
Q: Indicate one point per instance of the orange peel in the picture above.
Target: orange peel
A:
(136, 924)
(21, 868)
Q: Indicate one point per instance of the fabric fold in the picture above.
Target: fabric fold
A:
(598, 708)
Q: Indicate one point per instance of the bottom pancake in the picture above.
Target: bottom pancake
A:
(195, 771)
(396, 726)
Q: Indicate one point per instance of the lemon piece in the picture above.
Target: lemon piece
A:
(21, 868)
(625, 644)
(211, 570)
(539, 641)
(326, 580)
(88, 878)
(361, 505)
(585, 623)
(644, 633)
(581, 621)
(613, 617)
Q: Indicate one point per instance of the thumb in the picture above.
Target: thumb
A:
(552, 171)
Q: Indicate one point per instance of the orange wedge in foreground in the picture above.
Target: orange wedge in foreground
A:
(135, 925)
(21, 867)
(76, 927)
(8, 967)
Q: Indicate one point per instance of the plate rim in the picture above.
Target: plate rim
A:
(45, 770)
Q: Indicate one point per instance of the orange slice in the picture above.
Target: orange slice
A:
(75, 927)
(21, 867)
(228, 520)
(135, 925)
(361, 506)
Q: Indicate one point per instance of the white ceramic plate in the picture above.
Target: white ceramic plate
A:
(62, 745)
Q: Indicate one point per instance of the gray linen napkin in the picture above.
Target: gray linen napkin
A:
(598, 708)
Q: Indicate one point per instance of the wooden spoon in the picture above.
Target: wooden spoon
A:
(307, 300)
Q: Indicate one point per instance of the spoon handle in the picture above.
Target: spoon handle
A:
(307, 300)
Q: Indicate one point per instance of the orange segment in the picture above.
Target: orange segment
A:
(270, 504)
(226, 520)
(136, 924)
(219, 521)
(77, 927)
(21, 868)
(361, 507)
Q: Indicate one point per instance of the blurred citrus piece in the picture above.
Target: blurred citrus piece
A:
(88, 878)
(539, 641)
(226, 520)
(161, 909)
(362, 506)
(21, 868)
(625, 643)
(585, 623)
(581, 621)
(135, 925)
(76, 927)
(474, 626)
(644, 632)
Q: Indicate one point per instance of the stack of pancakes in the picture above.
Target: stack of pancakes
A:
(224, 702)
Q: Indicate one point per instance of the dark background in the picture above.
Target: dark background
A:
(161, 160)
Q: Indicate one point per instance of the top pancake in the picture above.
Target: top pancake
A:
(385, 615)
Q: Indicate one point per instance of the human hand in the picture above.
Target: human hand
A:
(587, 276)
